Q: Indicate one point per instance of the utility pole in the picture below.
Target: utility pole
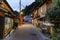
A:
(20, 5)
(21, 18)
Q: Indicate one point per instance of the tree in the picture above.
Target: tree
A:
(53, 15)
(27, 10)
(39, 0)
(16, 13)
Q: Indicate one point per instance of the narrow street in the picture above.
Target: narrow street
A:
(26, 32)
(29, 19)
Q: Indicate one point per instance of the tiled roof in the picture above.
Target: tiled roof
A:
(34, 6)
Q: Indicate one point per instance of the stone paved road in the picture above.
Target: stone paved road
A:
(26, 32)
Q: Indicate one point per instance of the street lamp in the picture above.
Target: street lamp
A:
(21, 13)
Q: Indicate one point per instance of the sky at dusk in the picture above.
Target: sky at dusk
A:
(15, 4)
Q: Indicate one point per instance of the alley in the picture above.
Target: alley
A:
(29, 19)
(26, 32)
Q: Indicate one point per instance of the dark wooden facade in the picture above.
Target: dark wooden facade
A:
(6, 19)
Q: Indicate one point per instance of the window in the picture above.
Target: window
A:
(8, 25)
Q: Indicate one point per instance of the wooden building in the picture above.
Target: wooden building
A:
(6, 18)
(41, 9)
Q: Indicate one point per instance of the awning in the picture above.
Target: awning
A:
(42, 16)
(1, 8)
(48, 23)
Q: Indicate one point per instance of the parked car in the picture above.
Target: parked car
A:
(27, 19)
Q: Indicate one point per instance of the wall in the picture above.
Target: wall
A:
(1, 13)
(1, 26)
(5, 23)
(42, 10)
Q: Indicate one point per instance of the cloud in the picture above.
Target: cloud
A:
(16, 6)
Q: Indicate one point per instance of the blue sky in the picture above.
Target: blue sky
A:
(15, 4)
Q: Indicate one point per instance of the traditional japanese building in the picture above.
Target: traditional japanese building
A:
(6, 18)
